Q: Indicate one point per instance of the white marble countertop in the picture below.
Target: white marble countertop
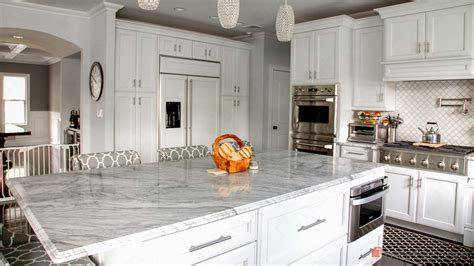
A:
(77, 214)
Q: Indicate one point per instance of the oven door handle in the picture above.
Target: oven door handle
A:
(327, 147)
(357, 202)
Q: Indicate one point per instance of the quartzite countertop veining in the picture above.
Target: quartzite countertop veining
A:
(77, 214)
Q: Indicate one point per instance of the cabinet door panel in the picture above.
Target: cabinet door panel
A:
(227, 114)
(405, 37)
(448, 32)
(168, 45)
(204, 110)
(332, 254)
(125, 121)
(146, 126)
(440, 201)
(326, 49)
(359, 252)
(302, 58)
(199, 50)
(213, 52)
(241, 119)
(184, 48)
(243, 256)
(401, 198)
(126, 60)
(228, 73)
(147, 56)
(243, 72)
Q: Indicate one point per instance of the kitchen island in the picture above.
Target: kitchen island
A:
(177, 212)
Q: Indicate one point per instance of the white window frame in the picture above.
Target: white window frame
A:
(27, 96)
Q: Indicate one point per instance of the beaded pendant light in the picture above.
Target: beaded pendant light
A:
(285, 23)
(228, 13)
(148, 4)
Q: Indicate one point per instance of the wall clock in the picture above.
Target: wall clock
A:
(96, 81)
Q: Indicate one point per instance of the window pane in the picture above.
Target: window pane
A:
(14, 112)
(14, 88)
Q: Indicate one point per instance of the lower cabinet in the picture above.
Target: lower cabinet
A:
(235, 115)
(366, 250)
(246, 255)
(428, 198)
(356, 153)
(332, 254)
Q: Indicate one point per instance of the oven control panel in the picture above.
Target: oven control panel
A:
(319, 90)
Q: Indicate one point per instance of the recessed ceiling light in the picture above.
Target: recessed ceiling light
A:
(179, 9)
(17, 37)
(214, 17)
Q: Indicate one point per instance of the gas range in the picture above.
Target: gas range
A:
(449, 158)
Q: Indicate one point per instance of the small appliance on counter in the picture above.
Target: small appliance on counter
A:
(431, 135)
(366, 133)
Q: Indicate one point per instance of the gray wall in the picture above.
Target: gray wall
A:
(39, 83)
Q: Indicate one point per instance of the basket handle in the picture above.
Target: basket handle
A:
(227, 136)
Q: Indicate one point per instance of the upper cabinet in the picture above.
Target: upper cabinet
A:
(428, 41)
(314, 57)
(235, 72)
(136, 61)
(205, 51)
(176, 47)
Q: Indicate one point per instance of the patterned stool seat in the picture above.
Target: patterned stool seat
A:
(105, 160)
(183, 153)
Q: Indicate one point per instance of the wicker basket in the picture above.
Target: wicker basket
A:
(225, 164)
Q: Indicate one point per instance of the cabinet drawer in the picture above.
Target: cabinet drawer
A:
(291, 229)
(356, 153)
(359, 252)
(246, 255)
(190, 246)
(332, 254)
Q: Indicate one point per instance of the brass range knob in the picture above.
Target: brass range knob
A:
(425, 163)
(412, 161)
(455, 166)
(441, 165)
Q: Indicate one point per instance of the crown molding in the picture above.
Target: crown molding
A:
(102, 7)
(368, 22)
(337, 21)
(419, 7)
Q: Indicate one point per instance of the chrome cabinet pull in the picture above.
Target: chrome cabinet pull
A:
(411, 181)
(235, 88)
(427, 47)
(139, 100)
(179, 48)
(175, 47)
(418, 49)
(140, 83)
(134, 83)
(234, 103)
(210, 52)
(366, 254)
(306, 227)
(238, 89)
(238, 102)
(315, 75)
(210, 243)
(355, 153)
(420, 182)
(310, 74)
(205, 52)
(133, 100)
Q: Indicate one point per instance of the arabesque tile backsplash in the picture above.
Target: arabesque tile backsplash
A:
(417, 104)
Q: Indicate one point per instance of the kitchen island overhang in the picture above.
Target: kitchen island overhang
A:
(77, 214)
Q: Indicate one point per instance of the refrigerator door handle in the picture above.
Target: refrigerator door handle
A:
(189, 115)
(186, 100)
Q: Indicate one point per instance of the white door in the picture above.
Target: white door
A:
(213, 52)
(168, 45)
(405, 37)
(280, 109)
(243, 72)
(228, 106)
(126, 66)
(125, 121)
(440, 201)
(332, 254)
(184, 48)
(401, 198)
(448, 32)
(326, 54)
(241, 118)
(199, 50)
(147, 56)
(302, 58)
(228, 73)
(204, 110)
(173, 93)
(243, 256)
(146, 126)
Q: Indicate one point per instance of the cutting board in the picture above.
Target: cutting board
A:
(431, 145)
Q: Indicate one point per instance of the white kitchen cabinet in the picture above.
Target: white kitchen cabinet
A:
(404, 37)
(356, 153)
(440, 201)
(235, 72)
(314, 57)
(136, 61)
(176, 47)
(361, 251)
(246, 255)
(205, 51)
(370, 93)
(125, 121)
(294, 228)
(332, 254)
(235, 116)
(402, 197)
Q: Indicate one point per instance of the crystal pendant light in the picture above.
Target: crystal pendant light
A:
(285, 23)
(228, 13)
(148, 4)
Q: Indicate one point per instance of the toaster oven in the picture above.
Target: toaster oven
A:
(365, 133)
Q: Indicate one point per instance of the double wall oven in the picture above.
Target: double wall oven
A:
(314, 118)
